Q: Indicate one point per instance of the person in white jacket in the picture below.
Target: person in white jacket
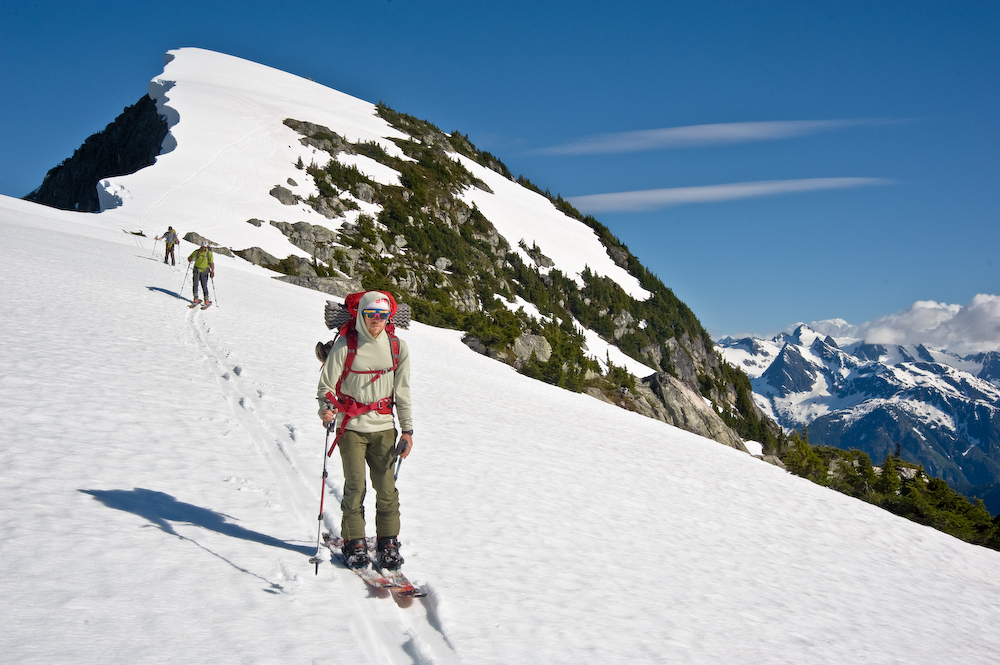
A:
(369, 438)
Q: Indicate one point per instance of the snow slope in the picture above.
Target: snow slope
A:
(160, 475)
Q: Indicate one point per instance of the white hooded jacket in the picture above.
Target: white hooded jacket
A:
(373, 354)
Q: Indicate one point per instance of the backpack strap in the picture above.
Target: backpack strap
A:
(346, 404)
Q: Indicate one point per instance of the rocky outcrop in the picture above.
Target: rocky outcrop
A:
(128, 144)
(525, 345)
(316, 240)
(256, 256)
(318, 136)
(687, 409)
(196, 238)
(284, 195)
(365, 192)
(623, 324)
(335, 286)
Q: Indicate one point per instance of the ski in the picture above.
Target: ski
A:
(368, 574)
(194, 304)
(206, 305)
(401, 586)
(393, 580)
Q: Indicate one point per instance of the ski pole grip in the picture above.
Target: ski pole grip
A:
(401, 447)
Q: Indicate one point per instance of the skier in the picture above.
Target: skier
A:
(375, 381)
(204, 267)
(170, 239)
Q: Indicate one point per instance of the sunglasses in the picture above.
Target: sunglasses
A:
(375, 314)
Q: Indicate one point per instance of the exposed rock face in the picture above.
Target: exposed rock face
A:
(540, 259)
(128, 144)
(991, 367)
(318, 136)
(256, 256)
(365, 192)
(477, 345)
(790, 372)
(623, 324)
(685, 408)
(329, 207)
(335, 286)
(317, 240)
(619, 256)
(284, 195)
(196, 238)
(525, 345)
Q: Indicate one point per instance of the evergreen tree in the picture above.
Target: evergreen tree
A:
(888, 483)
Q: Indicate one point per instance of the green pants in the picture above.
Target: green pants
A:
(374, 449)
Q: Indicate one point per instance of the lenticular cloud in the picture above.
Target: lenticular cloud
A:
(656, 199)
(694, 136)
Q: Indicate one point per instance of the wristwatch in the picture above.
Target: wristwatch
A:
(408, 431)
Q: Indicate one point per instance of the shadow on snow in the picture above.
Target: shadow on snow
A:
(169, 293)
(161, 509)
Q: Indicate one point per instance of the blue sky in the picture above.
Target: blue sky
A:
(771, 162)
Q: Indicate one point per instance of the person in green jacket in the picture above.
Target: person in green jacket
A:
(204, 268)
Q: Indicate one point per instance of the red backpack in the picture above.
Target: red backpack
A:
(346, 315)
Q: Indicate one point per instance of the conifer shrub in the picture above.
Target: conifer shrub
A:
(286, 266)
(426, 212)
(913, 495)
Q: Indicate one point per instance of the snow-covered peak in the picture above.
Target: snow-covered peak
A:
(854, 394)
(228, 147)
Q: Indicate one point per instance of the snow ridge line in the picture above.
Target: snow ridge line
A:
(375, 626)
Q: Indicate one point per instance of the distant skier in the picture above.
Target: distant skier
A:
(374, 382)
(204, 268)
(170, 239)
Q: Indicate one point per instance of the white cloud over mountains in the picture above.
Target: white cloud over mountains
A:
(655, 199)
(961, 329)
(695, 136)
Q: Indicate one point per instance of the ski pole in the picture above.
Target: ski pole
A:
(185, 279)
(322, 495)
(153, 255)
(400, 449)
(215, 291)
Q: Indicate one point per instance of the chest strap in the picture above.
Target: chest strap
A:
(347, 405)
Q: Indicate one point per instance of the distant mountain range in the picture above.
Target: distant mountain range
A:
(930, 406)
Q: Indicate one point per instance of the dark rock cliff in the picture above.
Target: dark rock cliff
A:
(128, 144)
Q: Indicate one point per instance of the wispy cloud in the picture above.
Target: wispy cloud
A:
(654, 199)
(694, 136)
(962, 329)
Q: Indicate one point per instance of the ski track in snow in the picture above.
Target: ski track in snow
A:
(375, 625)
(39, 379)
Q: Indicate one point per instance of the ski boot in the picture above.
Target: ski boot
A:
(388, 553)
(356, 553)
